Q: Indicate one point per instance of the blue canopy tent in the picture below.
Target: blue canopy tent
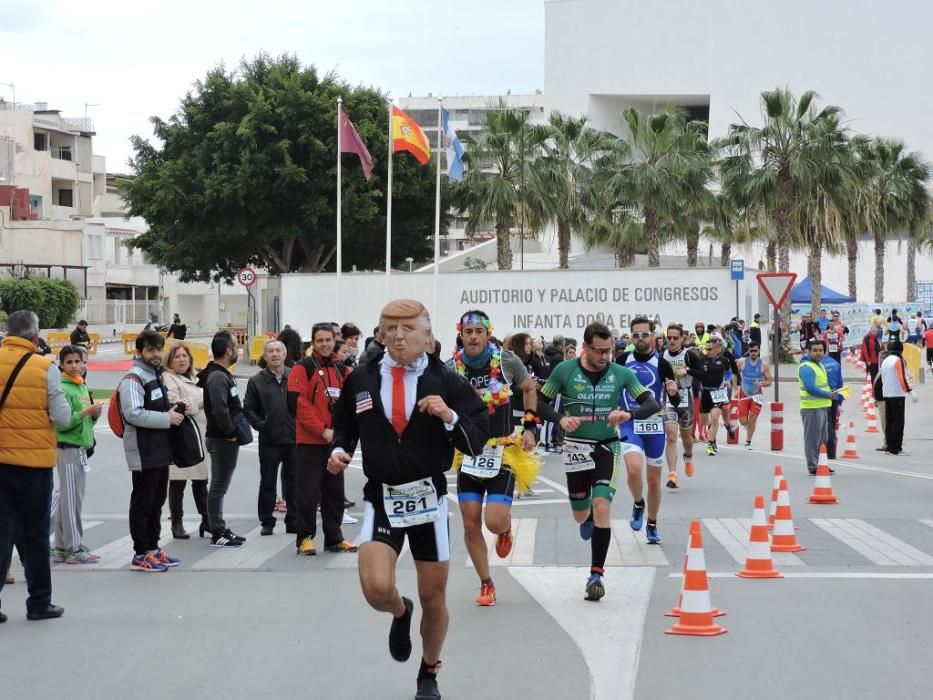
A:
(800, 294)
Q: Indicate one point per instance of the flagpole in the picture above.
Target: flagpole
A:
(437, 213)
(339, 207)
(389, 207)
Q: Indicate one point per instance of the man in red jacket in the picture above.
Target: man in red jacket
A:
(314, 385)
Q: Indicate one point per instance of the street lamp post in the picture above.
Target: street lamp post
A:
(409, 261)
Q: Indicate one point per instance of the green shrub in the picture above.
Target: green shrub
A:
(55, 301)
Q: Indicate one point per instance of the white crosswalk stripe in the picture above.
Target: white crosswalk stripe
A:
(250, 555)
(629, 548)
(732, 534)
(873, 543)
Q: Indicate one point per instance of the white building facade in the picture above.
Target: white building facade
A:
(715, 58)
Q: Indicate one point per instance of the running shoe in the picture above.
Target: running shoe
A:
(400, 633)
(147, 562)
(487, 595)
(715, 447)
(587, 527)
(688, 465)
(343, 547)
(748, 445)
(165, 559)
(709, 449)
(730, 431)
(427, 689)
(638, 516)
(504, 544)
(558, 449)
(672, 480)
(59, 556)
(651, 534)
(233, 536)
(222, 540)
(594, 587)
(307, 548)
(81, 557)
(349, 519)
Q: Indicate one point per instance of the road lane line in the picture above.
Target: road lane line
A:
(613, 655)
(863, 467)
(733, 534)
(854, 539)
(911, 555)
(231, 557)
(632, 548)
(523, 551)
(826, 574)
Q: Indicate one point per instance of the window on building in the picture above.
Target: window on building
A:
(65, 198)
(40, 141)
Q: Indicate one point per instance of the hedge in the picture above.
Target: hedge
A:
(55, 301)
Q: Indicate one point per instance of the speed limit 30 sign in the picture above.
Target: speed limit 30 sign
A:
(246, 277)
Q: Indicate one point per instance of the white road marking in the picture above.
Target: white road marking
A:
(629, 548)
(234, 557)
(612, 655)
(561, 488)
(872, 543)
(523, 551)
(851, 465)
(733, 533)
(824, 574)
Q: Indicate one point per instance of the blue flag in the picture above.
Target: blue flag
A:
(453, 148)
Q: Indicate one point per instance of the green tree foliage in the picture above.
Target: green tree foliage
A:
(55, 301)
(245, 173)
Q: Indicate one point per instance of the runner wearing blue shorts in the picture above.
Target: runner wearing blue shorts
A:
(643, 441)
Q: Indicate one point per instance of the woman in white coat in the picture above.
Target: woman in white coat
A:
(182, 386)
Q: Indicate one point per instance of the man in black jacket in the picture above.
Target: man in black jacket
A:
(266, 409)
(178, 330)
(221, 404)
(408, 412)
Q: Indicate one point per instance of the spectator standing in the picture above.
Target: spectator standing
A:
(266, 409)
(895, 388)
(314, 387)
(182, 386)
(554, 353)
(80, 336)
(351, 336)
(222, 407)
(871, 347)
(928, 342)
(374, 347)
(293, 345)
(32, 405)
(74, 439)
(834, 376)
(178, 330)
(815, 399)
(754, 331)
(540, 368)
(148, 417)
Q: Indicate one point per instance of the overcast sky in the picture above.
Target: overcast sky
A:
(136, 59)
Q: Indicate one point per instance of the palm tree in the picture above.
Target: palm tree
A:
(661, 164)
(571, 154)
(894, 183)
(776, 162)
(500, 160)
(919, 237)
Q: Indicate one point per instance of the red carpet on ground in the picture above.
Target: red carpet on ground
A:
(109, 365)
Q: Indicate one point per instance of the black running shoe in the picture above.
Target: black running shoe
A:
(229, 534)
(427, 689)
(224, 540)
(400, 633)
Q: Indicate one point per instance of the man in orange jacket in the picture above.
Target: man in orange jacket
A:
(314, 386)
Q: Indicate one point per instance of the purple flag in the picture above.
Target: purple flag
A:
(350, 142)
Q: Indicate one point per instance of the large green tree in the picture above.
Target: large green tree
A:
(245, 173)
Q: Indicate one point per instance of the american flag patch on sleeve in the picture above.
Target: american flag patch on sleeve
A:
(364, 402)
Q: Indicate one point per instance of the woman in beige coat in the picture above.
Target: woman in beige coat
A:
(181, 383)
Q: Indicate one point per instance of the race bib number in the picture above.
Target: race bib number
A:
(484, 466)
(719, 396)
(414, 503)
(684, 397)
(649, 426)
(578, 457)
(832, 348)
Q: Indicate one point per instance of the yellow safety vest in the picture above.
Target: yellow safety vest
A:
(822, 382)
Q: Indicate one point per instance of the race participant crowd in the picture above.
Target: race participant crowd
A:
(612, 406)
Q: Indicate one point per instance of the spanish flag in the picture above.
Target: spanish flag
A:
(408, 136)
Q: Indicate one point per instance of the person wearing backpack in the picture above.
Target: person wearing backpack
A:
(147, 418)
(74, 440)
(32, 404)
(314, 386)
(225, 418)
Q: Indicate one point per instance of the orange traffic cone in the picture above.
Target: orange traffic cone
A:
(783, 539)
(850, 452)
(696, 613)
(872, 418)
(778, 476)
(675, 611)
(822, 487)
(758, 560)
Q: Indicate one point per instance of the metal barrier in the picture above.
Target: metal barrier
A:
(913, 356)
(129, 343)
(59, 339)
(257, 346)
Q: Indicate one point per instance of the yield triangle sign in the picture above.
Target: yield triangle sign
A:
(776, 285)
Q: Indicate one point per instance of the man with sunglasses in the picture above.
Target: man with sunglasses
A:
(711, 371)
(680, 417)
(590, 389)
(755, 374)
(643, 441)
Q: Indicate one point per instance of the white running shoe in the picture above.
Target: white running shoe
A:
(349, 519)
